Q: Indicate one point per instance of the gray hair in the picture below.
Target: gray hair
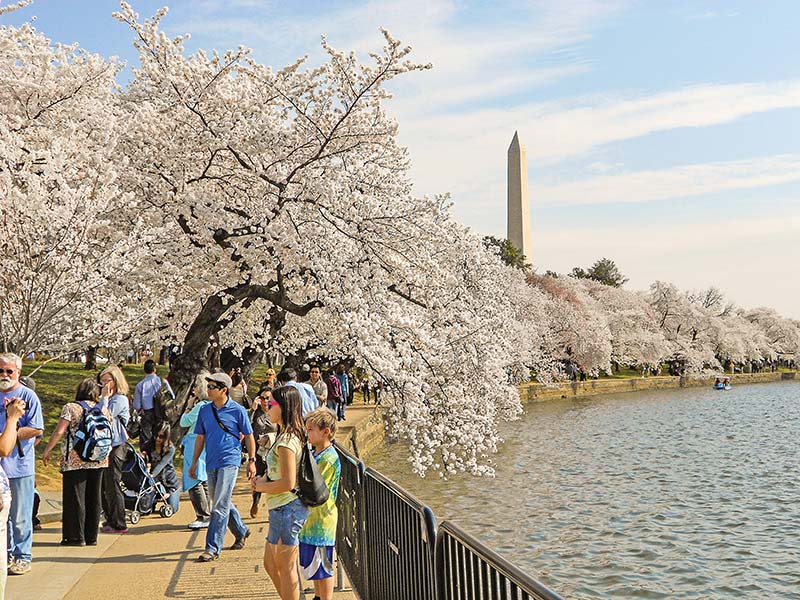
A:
(201, 385)
(10, 357)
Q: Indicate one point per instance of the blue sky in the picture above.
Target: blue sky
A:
(662, 134)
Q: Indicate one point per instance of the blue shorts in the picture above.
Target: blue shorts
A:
(285, 523)
(316, 562)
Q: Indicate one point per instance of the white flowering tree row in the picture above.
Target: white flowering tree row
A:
(214, 198)
(602, 327)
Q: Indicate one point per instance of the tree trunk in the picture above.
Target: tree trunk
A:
(194, 356)
(91, 358)
(250, 359)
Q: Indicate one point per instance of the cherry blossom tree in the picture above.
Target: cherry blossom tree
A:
(636, 339)
(289, 203)
(65, 254)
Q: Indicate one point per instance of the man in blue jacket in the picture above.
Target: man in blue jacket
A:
(221, 426)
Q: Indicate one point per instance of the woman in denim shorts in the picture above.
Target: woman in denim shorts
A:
(287, 513)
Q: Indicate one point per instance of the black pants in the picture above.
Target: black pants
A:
(113, 500)
(80, 496)
(146, 433)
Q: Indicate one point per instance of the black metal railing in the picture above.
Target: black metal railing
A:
(391, 548)
(400, 540)
(350, 526)
(467, 570)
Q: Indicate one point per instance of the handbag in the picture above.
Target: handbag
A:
(311, 487)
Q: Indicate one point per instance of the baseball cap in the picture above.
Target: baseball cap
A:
(222, 378)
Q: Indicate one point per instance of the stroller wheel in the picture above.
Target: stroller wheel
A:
(134, 517)
(166, 511)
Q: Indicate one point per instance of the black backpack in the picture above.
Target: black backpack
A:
(311, 487)
(163, 403)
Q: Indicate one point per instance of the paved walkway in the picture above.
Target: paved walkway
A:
(155, 559)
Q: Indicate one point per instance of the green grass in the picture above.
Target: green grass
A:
(55, 386)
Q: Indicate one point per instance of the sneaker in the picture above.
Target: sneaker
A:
(207, 556)
(239, 543)
(19, 567)
(110, 529)
(73, 543)
(198, 524)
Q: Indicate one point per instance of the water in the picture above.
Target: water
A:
(688, 493)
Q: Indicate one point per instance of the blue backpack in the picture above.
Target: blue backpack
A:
(92, 440)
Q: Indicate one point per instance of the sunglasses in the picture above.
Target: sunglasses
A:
(272, 403)
(8, 371)
(215, 386)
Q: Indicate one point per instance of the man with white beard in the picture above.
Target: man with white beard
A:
(20, 464)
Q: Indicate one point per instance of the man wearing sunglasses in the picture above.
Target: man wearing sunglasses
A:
(20, 465)
(222, 425)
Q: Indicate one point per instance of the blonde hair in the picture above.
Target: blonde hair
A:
(322, 418)
(120, 383)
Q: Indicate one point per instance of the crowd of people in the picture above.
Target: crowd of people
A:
(225, 428)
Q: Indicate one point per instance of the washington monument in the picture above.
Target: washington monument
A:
(519, 212)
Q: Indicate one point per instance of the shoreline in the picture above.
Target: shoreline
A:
(539, 392)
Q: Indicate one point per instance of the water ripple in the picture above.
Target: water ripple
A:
(671, 493)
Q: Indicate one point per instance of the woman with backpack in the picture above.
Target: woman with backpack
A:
(287, 514)
(81, 476)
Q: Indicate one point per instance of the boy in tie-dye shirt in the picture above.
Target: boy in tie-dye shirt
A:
(318, 536)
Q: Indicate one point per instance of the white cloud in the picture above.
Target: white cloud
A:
(678, 182)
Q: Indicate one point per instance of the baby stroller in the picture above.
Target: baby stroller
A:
(142, 493)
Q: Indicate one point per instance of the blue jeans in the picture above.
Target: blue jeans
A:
(285, 523)
(20, 518)
(223, 512)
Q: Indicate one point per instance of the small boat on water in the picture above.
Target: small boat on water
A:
(722, 383)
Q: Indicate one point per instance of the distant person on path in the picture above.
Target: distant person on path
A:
(197, 486)
(365, 389)
(173, 350)
(287, 513)
(146, 390)
(334, 392)
(115, 394)
(162, 467)
(14, 410)
(221, 426)
(20, 464)
(318, 536)
(262, 428)
(270, 379)
(288, 377)
(344, 381)
(318, 384)
(238, 391)
(81, 480)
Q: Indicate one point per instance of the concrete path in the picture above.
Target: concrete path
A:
(155, 559)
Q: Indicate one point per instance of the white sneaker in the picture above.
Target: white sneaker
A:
(198, 525)
(19, 567)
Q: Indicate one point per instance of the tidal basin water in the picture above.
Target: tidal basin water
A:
(691, 493)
